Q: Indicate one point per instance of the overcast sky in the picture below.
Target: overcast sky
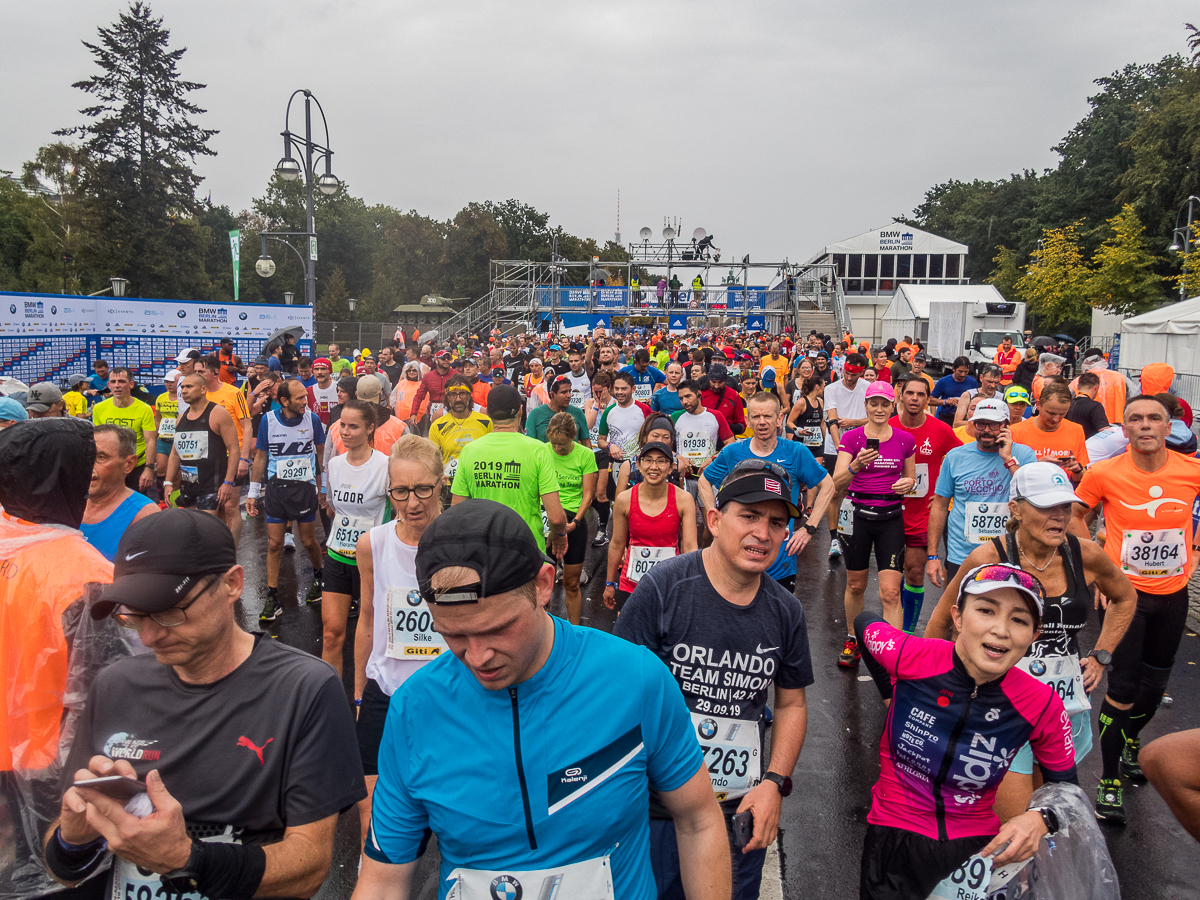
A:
(778, 126)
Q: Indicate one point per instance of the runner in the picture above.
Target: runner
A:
(201, 459)
(976, 477)
(845, 410)
(542, 691)
(712, 616)
(575, 464)
(645, 377)
(876, 468)
(721, 398)
(989, 387)
(1146, 495)
(933, 439)
(931, 808)
(656, 428)
(341, 366)
(124, 410)
(794, 460)
(1113, 387)
(457, 428)
(806, 420)
(666, 398)
(950, 389)
(1085, 411)
(166, 411)
(356, 483)
(581, 384)
(405, 392)
(1066, 566)
(1051, 435)
(112, 506)
(513, 469)
(619, 423)
(322, 396)
(559, 393)
(654, 515)
(433, 386)
(290, 446)
(700, 433)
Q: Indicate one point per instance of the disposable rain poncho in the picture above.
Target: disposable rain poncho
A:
(50, 649)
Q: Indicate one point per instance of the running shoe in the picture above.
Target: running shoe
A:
(289, 541)
(835, 547)
(1109, 806)
(600, 539)
(270, 610)
(1130, 767)
(850, 654)
(314, 590)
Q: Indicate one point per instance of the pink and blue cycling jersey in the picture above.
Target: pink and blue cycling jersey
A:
(948, 742)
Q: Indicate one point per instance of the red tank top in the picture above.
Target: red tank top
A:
(650, 531)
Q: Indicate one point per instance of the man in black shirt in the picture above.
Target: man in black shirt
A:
(245, 745)
(1085, 409)
(289, 355)
(389, 367)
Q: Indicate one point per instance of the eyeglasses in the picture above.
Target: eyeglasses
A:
(423, 492)
(987, 425)
(167, 618)
(762, 465)
(1001, 573)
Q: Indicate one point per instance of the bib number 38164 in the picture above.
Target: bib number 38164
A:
(1154, 554)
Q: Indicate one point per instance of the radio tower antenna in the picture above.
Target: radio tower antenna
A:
(618, 215)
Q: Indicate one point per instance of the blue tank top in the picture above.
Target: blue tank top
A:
(106, 534)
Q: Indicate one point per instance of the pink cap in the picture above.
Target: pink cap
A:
(880, 389)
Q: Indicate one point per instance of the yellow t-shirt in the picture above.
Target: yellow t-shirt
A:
(963, 435)
(74, 403)
(137, 416)
(451, 435)
(168, 412)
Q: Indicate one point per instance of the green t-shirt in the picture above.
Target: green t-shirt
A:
(511, 469)
(571, 469)
(138, 417)
(341, 364)
(662, 359)
(535, 424)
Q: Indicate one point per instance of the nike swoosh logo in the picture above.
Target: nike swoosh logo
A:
(129, 556)
(766, 650)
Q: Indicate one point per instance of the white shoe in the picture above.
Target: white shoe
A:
(835, 547)
(289, 541)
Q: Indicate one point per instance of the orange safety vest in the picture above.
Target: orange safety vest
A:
(385, 435)
(402, 398)
(35, 590)
(228, 373)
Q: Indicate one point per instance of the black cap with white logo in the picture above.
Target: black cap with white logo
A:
(161, 557)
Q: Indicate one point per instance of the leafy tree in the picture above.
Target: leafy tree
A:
(1124, 280)
(1189, 275)
(1056, 281)
(525, 229)
(408, 264)
(473, 241)
(141, 143)
(59, 221)
(1006, 274)
(15, 235)
(331, 304)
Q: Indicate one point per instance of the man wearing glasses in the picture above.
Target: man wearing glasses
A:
(245, 746)
(976, 477)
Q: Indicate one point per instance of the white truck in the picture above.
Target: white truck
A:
(973, 329)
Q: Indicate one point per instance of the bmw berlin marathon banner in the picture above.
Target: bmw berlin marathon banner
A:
(47, 337)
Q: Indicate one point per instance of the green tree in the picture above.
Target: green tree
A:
(525, 229)
(15, 234)
(473, 241)
(331, 304)
(408, 264)
(59, 220)
(1056, 282)
(1123, 279)
(141, 143)
(1006, 274)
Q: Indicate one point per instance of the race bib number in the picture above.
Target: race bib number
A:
(846, 518)
(642, 392)
(294, 468)
(975, 879)
(450, 469)
(192, 445)
(1154, 554)
(346, 532)
(577, 398)
(920, 490)
(1064, 674)
(587, 880)
(132, 882)
(696, 446)
(643, 559)
(410, 627)
(166, 428)
(436, 411)
(732, 753)
(811, 437)
(985, 520)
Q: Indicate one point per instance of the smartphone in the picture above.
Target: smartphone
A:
(873, 444)
(743, 828)
(118, 787)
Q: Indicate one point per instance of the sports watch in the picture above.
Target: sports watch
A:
(1102, 656)
(811, 529)
(783, 782)
(183, 881)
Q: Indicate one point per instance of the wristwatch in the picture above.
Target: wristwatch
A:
(1102, 656)
(811, 529)
(783, 782)
(183, 881)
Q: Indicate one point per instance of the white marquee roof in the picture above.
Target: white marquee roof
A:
(894, 238)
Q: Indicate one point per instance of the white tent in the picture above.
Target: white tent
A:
(1170, 334)
(908, 313)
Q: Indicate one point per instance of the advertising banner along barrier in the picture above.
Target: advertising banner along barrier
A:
(47, 337)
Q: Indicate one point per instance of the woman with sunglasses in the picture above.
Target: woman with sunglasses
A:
(356, 492)
(1040, 506)
(876, 466)
(395, 635)
(959, 713)
(652, 521)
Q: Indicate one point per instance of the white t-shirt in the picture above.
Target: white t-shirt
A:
(358, 494)
(849, 404)
(697, 437)
(581, 388)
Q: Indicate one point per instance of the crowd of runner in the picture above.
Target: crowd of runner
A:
(456, 483)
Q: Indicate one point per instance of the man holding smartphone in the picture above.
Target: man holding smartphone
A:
(245, 745)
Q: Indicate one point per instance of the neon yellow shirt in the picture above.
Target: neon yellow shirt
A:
(137, 416)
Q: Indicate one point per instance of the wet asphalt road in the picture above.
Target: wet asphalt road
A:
(821, 831)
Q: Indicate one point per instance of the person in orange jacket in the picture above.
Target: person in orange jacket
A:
(1007, 357)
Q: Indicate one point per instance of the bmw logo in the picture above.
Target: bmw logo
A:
(983, 507)
(182, 314)
(414, 598)
(707, 729)
(646, 553)
(242, 316)
(1147, 537)
(54, 310)
(1037, 667)
(12, 307)
(505, 887)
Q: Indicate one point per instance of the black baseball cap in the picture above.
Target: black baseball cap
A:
(756, 488)
(486, 537)
(503, 402)
(160, 558)
(662, 448)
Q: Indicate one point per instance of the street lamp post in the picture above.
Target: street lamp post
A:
(289, 169)
(1186, 234)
